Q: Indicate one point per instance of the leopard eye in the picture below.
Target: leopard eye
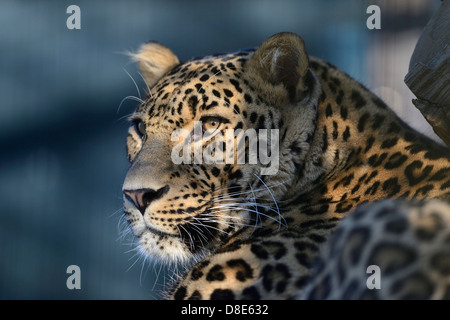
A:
(139, 125)
(211, 125)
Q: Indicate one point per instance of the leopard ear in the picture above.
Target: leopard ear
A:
(154, 61)
(281, 61)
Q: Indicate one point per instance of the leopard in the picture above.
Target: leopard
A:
(241, 233)
(400, 251)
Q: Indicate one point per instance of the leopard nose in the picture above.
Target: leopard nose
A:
(142, 198)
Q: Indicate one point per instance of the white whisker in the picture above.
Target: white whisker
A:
(230, 223)
(157, 275)
(193, 218)
(138, 256)
(129, 98)
(276, 204)
(146, 84)
(256, 207)
(200, 232)
(242, 206)
(259, 214)
(206, 226)
(191, 241)
(137, 88)
(239, 193)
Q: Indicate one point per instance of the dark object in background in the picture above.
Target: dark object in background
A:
(429, 72)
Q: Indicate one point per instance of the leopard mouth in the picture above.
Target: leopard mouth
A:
(194, 233)
(161, 233)
(200, 229)
(139, 231)
(198, 234)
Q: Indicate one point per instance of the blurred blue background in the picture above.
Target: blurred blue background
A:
(62, 134)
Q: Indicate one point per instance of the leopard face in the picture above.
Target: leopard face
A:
(182, 211)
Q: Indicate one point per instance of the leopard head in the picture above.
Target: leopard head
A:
(190, 186)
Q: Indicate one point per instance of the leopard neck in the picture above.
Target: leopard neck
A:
(358, 136)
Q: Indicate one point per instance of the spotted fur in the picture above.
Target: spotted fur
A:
(248, 236)
(407, 241)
